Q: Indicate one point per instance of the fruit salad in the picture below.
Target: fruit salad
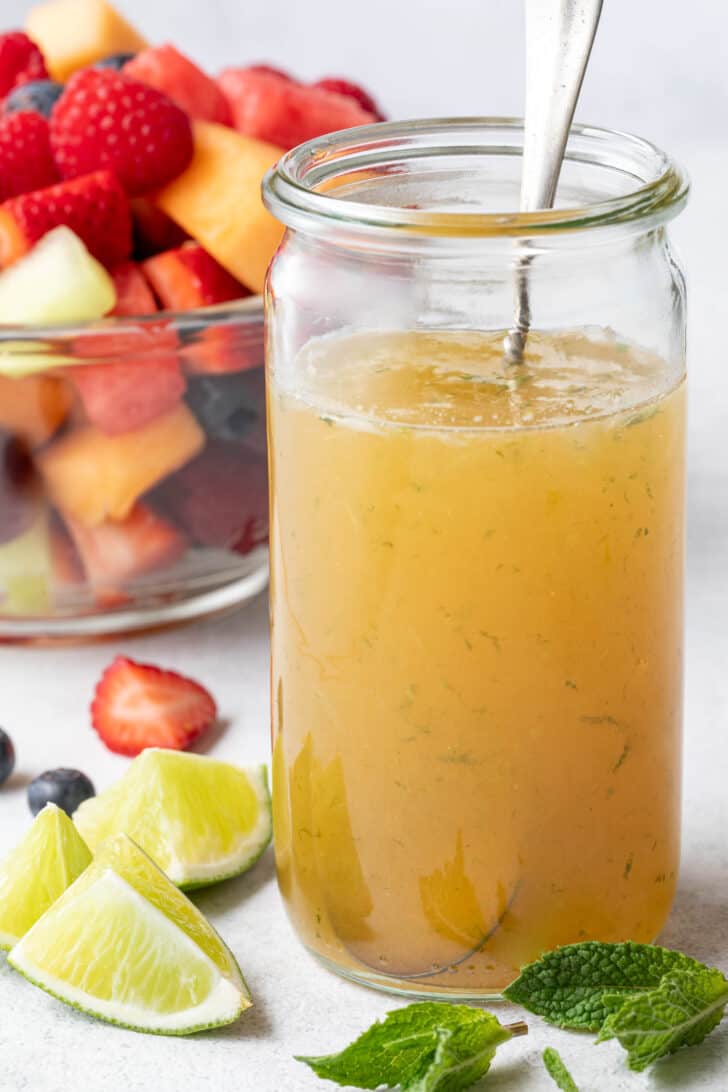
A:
(133, 250)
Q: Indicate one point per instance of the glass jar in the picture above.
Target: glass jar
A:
(133, 479)
(477, 566)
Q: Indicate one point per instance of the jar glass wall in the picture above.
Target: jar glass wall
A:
(477, 567)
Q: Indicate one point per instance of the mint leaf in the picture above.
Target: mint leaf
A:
(684, 1008)
(556, 1069)
(567, 986)
(430, 1046)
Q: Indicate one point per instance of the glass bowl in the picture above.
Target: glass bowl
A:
(133, 478)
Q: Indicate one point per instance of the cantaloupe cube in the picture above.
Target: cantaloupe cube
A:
(217, 201)
(35, 407)
(92, 477)
(74, 33)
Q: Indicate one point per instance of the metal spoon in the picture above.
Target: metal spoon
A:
(559, 39)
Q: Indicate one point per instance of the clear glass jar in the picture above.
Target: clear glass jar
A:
(477, 567)
(133, 476)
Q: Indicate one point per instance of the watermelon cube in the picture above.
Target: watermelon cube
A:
(170, 71)
(286, 113)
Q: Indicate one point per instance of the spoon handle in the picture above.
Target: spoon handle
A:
(559, 39)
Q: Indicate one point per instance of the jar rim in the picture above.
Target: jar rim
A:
(247, 311)
(292, 189)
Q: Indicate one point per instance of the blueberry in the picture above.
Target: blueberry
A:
(38, 95)
(65, 788)
(7, 756)
(115, 61)
(228, 406)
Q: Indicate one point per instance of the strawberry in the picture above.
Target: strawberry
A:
(116, 551)
(26, 160)
(125, 396)
(285, 113)
(106, 119)
(20, 61)
(133, 294)
(94, 206)
(139, 705)
(190, 277)
(170, 71)
(353, 91)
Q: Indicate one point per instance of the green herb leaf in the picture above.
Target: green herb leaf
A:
(567, 986)
(558, 1071)
(430, 1046)
(684, 1008)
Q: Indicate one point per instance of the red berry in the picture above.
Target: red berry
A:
(26, 160)
(341, 86)
(140, 705)
(189, 277)
(20, 61)
(106, 119)
(94, 206)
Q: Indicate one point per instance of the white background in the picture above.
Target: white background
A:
(660, 68)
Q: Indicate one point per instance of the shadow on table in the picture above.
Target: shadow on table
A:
(698, 923)
(230, 894)
(699, 1067)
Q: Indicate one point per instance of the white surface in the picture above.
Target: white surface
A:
(659, 68)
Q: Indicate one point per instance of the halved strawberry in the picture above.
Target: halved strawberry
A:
(140, 705)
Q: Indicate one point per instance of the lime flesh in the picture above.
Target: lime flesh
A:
(45, 862)
(199, 819)
(123, 944)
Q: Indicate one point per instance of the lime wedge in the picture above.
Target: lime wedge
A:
(123, 944)
(47, 860)
(199, 819)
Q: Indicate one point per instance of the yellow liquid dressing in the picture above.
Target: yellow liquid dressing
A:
(477, 650)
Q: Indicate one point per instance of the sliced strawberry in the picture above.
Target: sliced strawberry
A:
(133, 294)
(95, 207)
(345, 87)
(26, 160)
(189, 277)
(139, 705)
(107, 120)
(170, 71)
(285, 113)
(125, 396)
(116, 551)
(20, 61)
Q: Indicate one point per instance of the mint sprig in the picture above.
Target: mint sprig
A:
(684, 1008)
(430, 1046)
(567, 986)
(557, 1070)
